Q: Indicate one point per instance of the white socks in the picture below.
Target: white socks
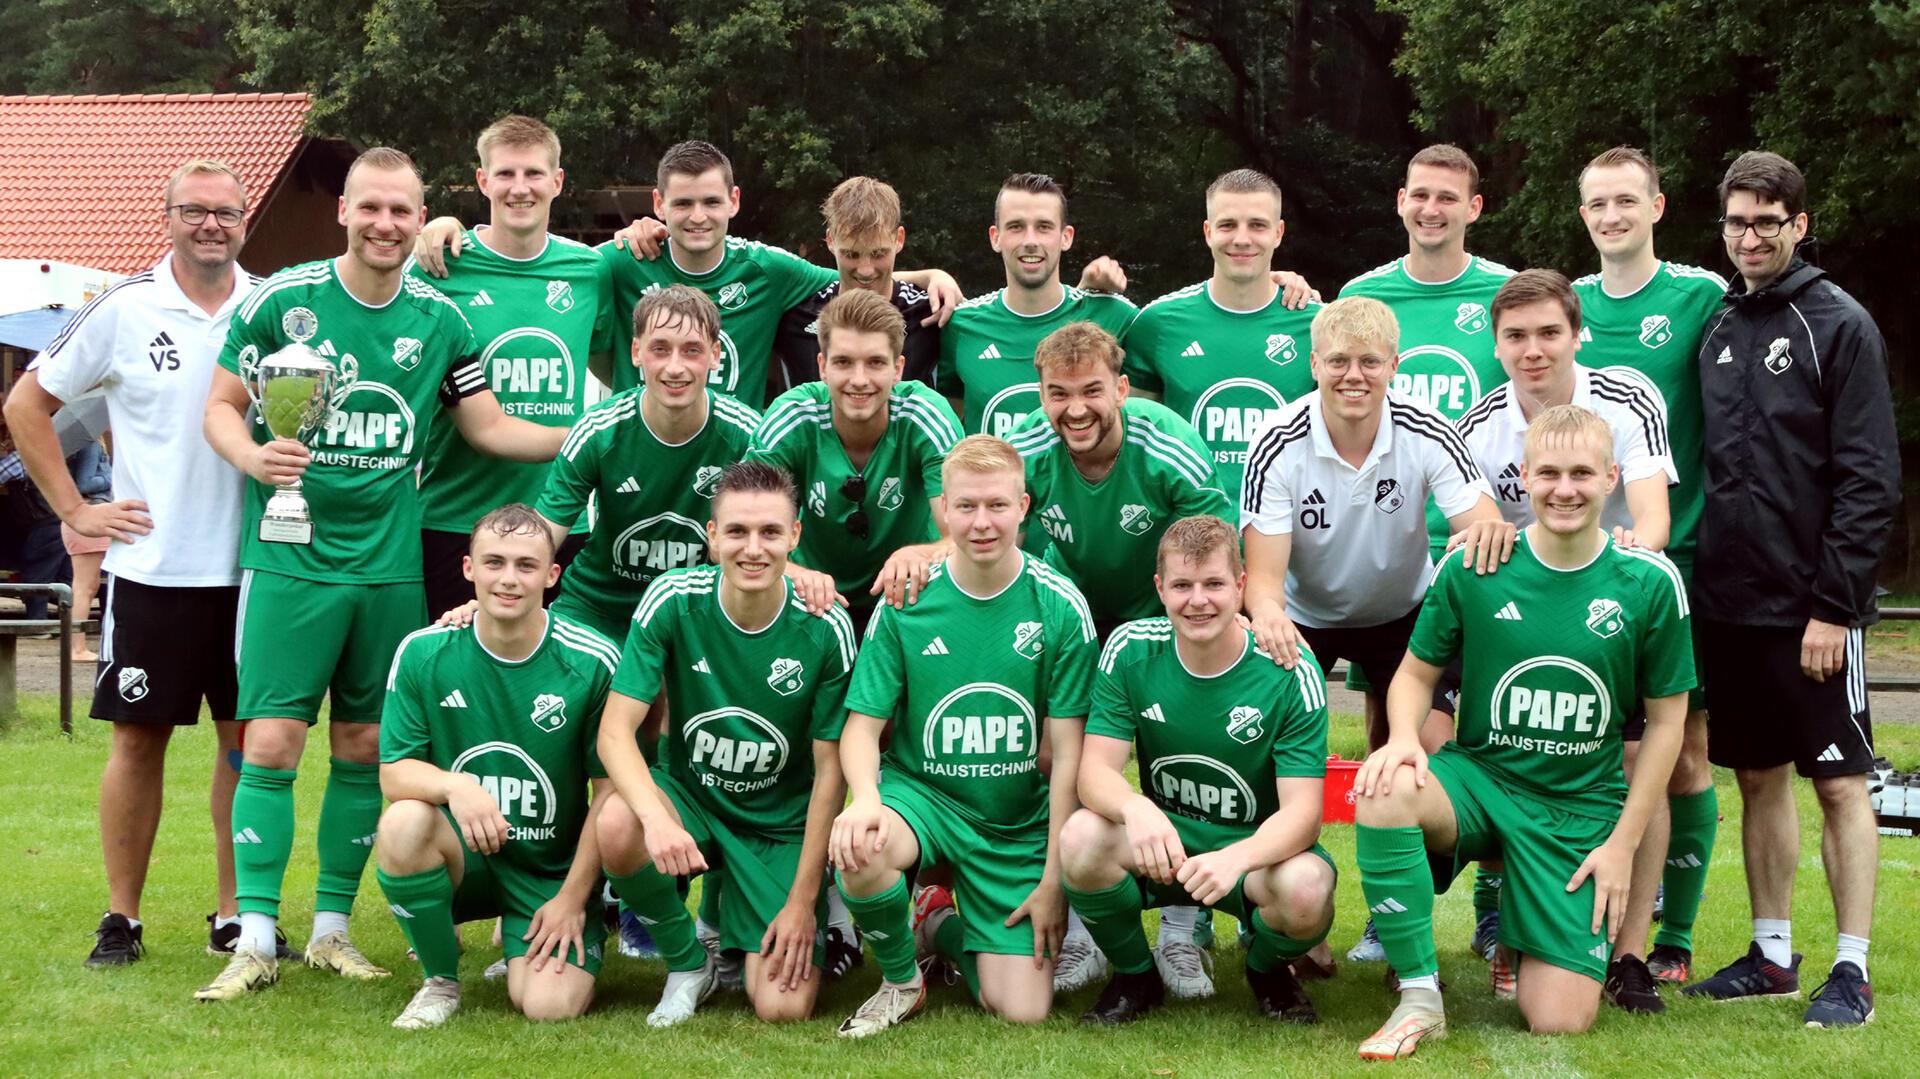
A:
(1425, 981)
(1852, 950)
(837, 912)
(1178, 924)
(1775, 938)
(328, 921)
(1077, 929)
(256, 932)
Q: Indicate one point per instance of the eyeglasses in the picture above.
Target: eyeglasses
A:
(1338, 365)
(1764, 227)
(854, 490)
(197, 215)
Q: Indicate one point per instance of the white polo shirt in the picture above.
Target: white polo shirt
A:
(1496, 433)
(1360, 550)
(152, 351)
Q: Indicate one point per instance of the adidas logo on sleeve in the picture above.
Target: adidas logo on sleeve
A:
(480, 299)
(1153, 713)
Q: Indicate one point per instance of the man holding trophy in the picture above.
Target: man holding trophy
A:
(346, 362)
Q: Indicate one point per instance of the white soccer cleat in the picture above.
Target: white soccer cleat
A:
(730, 967)
(1078, 965)
(1420, 1017)
(1367, 949)
(1185, 968)
(892, 1005)
(496, 970)
(685, 992)
(249, 970)
(432, 1006)
(336, 953)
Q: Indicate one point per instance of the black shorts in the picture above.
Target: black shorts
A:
(1767, 713)
(447, 587)
(1376, 650)
(163, 651)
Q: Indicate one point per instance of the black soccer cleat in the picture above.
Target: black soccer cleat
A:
(1751, 977)
(1127, 997)
(1280, 996)
(843, 951)
(1631, 988)
(116, 943)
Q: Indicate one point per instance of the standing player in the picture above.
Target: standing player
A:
(151, 342)
(1233, 757)
(1225, 353)
(1557, 648)
(995, 657)
(540, 306)
(987, 350)
(864, 236)
(751, 783)
(1648, 315)
(1803, 476)
(326, 615)
(486, 747)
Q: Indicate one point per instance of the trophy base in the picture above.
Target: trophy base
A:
(281, 530)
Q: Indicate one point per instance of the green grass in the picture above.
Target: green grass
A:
(57, 1018)
(1889, 639)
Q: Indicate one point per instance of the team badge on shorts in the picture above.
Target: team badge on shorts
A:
(1281, 349)
(787, 676)
(1388, 496)
(549, 712)
(1778, 358)
(560, 296)
(300, 324)
(1135, 519)
(1243, 724)
(705, 479)
(406, 352)
(732, 297)
(1470, 318)
(889, 498)
(133, 684)
(1604, 617)
(1655, 331)
(1027, 640)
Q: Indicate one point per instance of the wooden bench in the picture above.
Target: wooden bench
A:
(11, 630)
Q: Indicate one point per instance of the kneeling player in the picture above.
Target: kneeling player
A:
(1233, 754)
(486, 746)
(753, 678)
(1555, 648)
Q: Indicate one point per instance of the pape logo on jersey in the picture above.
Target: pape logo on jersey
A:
(1027, 640)
(1604, 617)
(1281, 349)
(1470, 318)
(549, 712)
(1135, 519)
(787, 676)
(300, 324)
(706, 478)
(1388, 496)
(889, 498)
(406, 352)
(1655, 331)
(1778, 358)
(133, 684)
(1243, 724)
(732, 297)
(560, 296)
(817, 498)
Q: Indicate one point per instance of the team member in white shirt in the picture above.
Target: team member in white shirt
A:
(173, 578)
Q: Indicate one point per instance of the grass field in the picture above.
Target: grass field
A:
(58, 1018)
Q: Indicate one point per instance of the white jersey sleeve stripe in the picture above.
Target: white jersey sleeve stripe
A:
(393, 670)
(310, 276)
(1666, 566)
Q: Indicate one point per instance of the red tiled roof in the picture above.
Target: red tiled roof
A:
(84, 174)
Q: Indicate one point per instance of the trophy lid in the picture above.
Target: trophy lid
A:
(296, 358)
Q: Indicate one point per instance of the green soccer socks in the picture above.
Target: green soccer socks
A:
(886, 923)
(1399, 890)
(950, 940)
(1271, 948)
(349, 817)
(1112, 917)
(1696, 819)
(262, 837)
(423, 905)
(655, 899)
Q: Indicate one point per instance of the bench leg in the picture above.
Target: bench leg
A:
(9, 669)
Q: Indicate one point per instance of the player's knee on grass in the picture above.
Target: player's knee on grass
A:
(1554, 1000)
(1012, 989)
(1296, 896)
(549, 995)
(1093, 851)
(275, 743)
(622, 840)
(771, 1003)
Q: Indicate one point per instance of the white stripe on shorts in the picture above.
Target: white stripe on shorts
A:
(106, 633)
(240, 612)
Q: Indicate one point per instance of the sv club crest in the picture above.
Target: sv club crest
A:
(560, 296)
(549, 712)
(1605, 617)
(1778, 357)
(133, 683)
(787, 676)
(1655, 331)
(889, 497)
(1028, 640)
(1281, 349)
(1135, 519)
(1388, 496)
(406, 352)
(705, 479)
(1243, 724)
(1470, 318)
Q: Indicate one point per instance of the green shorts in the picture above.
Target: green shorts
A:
(298, 639)
(993, 873)
(756, 872)
(610, 621)
(1542, 846)
(1155, 894)
(493, 888)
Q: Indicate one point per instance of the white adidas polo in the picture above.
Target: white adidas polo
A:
(1360, 549)
(152, 351)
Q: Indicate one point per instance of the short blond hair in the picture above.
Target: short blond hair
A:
(1564, 422)
(1195, 538)
(1077, 344)
(983, 455)
(518, 131)
(1360, 320)
(863, 312)
(205, 166)
(862, 206)
(384, 158)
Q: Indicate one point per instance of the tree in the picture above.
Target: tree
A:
(100, 47)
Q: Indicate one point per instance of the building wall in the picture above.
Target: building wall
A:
(301, 224)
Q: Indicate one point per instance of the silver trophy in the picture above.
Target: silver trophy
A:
(294, 392)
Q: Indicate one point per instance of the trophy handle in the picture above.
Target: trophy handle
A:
(249, 365)
(349, 373)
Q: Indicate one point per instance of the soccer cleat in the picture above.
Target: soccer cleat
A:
(432, 1006)
(1280, 996)
(890, 1006)
(1486, 935)
(685, 992)
(1631, 988)
(1078, 965)
(843, 951)
(1127, 997)
(336, 953)
(1751, 977)
(1368, 949)
(222, 939)
(1843, 1000)
(1421, 1016)
(1670, 964)
(635, 941)
(247, 971)
(1660, 902)
(730, 965)
(1501, 974)
(116, 942)
(932, 906)
(1185, 970)
(1314, 965)
(496, 970)
(1203, 931)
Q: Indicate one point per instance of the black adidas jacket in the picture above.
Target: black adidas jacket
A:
(1802, 462)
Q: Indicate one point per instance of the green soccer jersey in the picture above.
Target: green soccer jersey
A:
(525, 729)
(652, 498)
(901, 476)
(1102, 534)
(537, 320)
(980, 675)
(986, 352)
(753, 286)
(1656, 331)
(1210, 747)
(412, 355)
(1228, 372)
(746, 707)
(1556, 663)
